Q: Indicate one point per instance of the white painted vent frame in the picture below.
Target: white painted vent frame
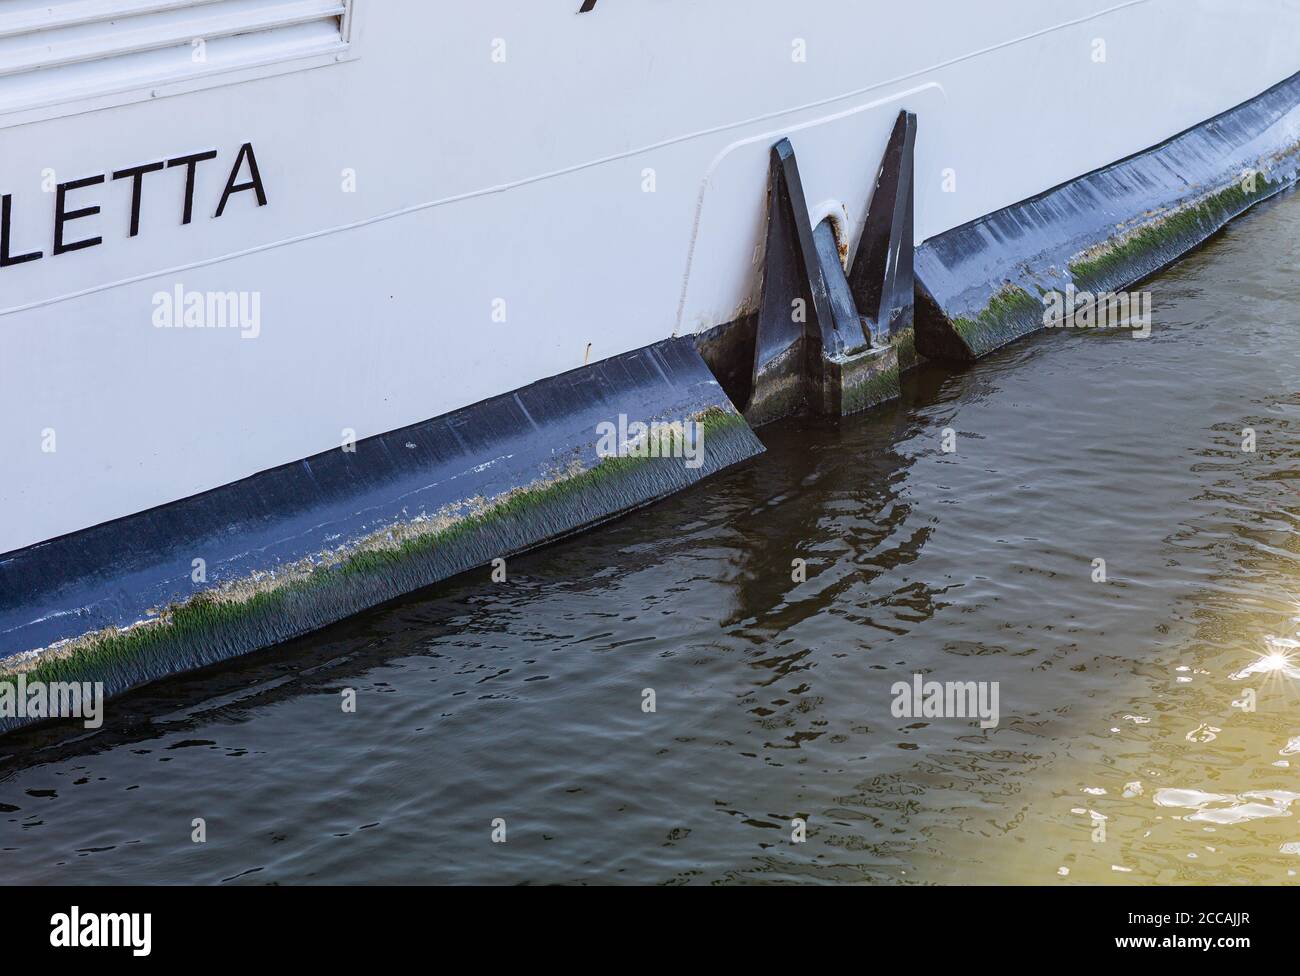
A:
(63, 57)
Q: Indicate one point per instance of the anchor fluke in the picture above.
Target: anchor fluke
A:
(882, 277)
(783, 337)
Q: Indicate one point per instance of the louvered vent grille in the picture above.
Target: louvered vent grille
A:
(53, 51)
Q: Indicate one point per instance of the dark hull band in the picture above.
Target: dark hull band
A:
(984, 284)
(295, 548)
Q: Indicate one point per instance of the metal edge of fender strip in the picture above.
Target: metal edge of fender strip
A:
(306, 544)
(985, 284)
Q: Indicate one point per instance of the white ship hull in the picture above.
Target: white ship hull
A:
(520, 183)
(464, 199)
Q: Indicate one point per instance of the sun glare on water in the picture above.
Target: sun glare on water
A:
(1280, 659)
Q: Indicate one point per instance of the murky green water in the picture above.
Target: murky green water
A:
(1125, 751)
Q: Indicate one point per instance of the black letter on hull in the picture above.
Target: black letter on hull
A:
(6, 211)
(190, 162)
(62, 216)
(255, 184)
(136, 173)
